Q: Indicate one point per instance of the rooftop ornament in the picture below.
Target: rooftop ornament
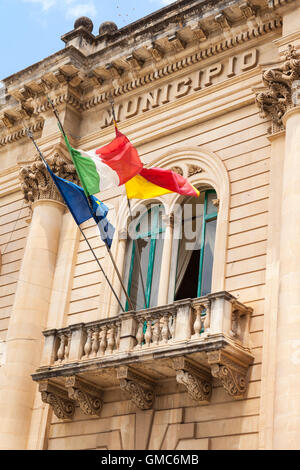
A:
(85, 22)
(107, 27)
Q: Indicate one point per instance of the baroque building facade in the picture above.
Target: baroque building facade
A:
(208, 89)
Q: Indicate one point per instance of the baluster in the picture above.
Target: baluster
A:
(173, 325)
(140, 333)
(61, 350)
(111, 340)
(67, 348)
(165, 329)
(235, 324)
(95, 342)
(118, 336)
(156, 331)
(148, 334)
(88, 343)
(198, 321)
(103, 342)
(206, 323)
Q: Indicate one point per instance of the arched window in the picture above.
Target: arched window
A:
(148, 231)
(195, 246)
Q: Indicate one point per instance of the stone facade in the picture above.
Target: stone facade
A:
(219, 372)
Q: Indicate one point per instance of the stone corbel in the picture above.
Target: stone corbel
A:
(86, 395)
(7, 119)
(138, 387)
(199, 33)
(222, 22)
(156, 52)
(114, 71)
(230, 371)
(196, 380)
(177, 43)
(58, 399)
(135, 62)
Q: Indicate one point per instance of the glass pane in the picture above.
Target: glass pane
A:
(159, 244)
(143, 227)
(208, 257)
(189, 249)
(136, 290)
(211, 209)
(188, 286)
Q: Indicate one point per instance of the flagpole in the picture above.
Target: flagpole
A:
(29, 134)
(91, 207)
(111, 100)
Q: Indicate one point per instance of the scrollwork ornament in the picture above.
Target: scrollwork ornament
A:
(142, 397)
(277, 97)
(198, 389)
(36, 182)
(62, 408)
(89, 404)
(232, 380)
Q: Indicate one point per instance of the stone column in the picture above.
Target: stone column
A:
(277, 101)
(166, 260)
(287, 381)
(31, 304)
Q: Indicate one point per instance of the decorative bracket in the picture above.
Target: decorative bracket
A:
(138, 387)
(231, 372)
(58, 399)
(87, 395)
(196, 380)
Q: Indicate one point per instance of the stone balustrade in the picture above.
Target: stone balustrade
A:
(192, 340)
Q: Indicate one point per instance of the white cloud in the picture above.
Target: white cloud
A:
(81, 9)
(45, 4)
(167, 2)
(71, 8)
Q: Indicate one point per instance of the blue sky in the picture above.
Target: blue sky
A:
(31, 29)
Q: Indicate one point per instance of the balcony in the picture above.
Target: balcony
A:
(191, 340)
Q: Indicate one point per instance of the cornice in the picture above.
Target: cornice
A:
(76, 75)
(185, 62)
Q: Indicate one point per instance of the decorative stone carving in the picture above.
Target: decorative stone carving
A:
(58, 399)
(85, 394)
(247, 10)
(178, 170)
(194, 170)
(230, 372)
(36, 183)
(277, 96)
(139, 388)
(223, 22)
(197, 381)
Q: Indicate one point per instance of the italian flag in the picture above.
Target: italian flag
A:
(106, 167)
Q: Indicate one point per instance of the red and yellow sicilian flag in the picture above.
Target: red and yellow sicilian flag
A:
(154, 182)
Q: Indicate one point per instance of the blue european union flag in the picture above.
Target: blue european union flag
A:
(80, 208)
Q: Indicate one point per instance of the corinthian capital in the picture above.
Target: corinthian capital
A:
(280, 83)
(36, 182)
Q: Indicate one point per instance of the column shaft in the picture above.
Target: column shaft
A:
(287, 381)
(28, 319)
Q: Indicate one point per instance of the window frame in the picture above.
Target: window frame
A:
(206, 218)
(156, 208)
